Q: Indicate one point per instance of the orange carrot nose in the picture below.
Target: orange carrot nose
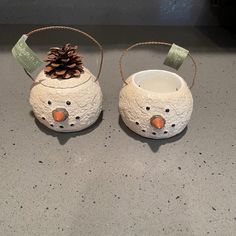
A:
(60, 114)
(158, 122)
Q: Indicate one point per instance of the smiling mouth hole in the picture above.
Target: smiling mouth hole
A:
(61, 125)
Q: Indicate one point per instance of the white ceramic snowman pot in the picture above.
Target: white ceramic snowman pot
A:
(61, 100)
(155, 104)
(66, 105)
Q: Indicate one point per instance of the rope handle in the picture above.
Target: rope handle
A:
(153, 43)
(71, 29)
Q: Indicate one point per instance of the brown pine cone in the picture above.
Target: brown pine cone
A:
(63, 62)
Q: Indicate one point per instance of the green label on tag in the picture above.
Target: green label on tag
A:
(176, 56)
(25, 56)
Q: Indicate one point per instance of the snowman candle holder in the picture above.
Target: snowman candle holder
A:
(157, 104)
(65, 96)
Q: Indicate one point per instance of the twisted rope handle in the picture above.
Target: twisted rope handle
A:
(71, 29)
(153, 43)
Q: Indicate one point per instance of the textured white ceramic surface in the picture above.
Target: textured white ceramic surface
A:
(83, 94)
(138, 105)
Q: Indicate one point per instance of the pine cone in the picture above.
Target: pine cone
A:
(63, 62)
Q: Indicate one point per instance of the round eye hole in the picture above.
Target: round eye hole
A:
(68, 103)
(49, 102)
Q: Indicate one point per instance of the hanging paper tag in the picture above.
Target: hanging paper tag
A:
(25, 56)
(176, 56)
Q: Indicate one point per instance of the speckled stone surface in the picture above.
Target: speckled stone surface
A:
(107, 180)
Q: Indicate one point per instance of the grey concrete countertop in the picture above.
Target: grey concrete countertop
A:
(107, 180)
